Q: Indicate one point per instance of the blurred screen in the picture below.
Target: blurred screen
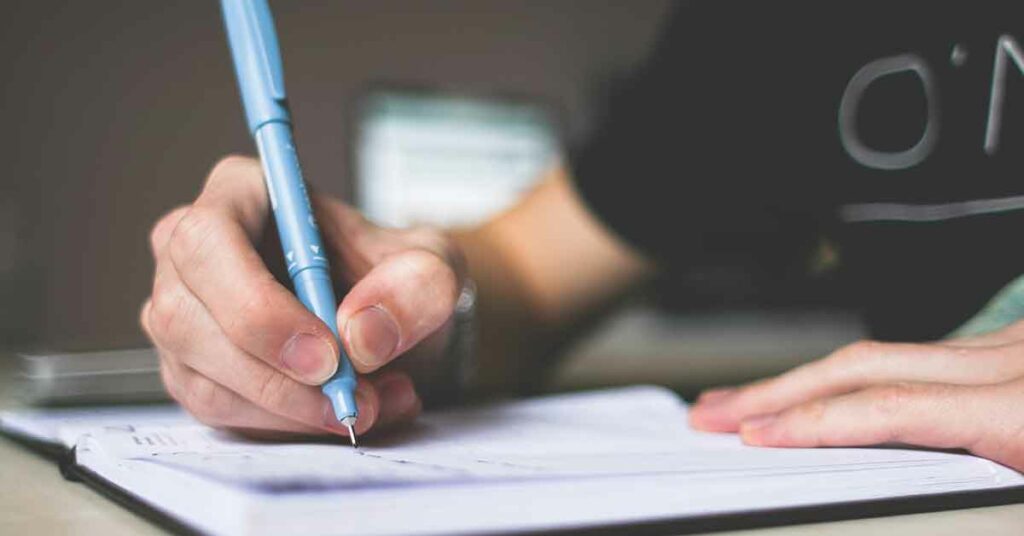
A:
(448, 160)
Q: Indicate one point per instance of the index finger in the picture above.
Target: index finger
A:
(854, 367)
(930, 415)
(212, 251)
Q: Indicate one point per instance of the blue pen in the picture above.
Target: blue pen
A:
(257, 60)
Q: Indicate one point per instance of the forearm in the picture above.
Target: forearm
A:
(541, 269)
(507, 332)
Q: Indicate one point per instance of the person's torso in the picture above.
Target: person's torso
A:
(898, 125)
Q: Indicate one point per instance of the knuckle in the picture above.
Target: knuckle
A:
(168, 313)
(162, 229)
(854, 360)
(430, 272)
(253, 315)
(892, 399)
(812, 413)
(207, 400)
(272, 391)
(856, 351)
(190, 239)
(888, 404)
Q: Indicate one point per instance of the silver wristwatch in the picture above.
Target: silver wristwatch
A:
(454, 370)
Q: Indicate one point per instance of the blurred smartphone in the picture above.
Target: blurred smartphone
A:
(103, 377)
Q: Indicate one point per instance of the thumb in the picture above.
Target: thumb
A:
(403, 300)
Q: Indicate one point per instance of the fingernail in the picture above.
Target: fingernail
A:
(397, 397)
(310, 357)
(757, 431)
(754, 424)
(712, 413)
(367, 415)
(372, 336)
(703, 418)
(331, 420)
(367, 411)
(714, 397)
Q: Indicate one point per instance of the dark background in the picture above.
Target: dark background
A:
(113, 112)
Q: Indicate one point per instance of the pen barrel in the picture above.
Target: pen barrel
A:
(300, 237)
(314, 288)
(304, 252)
(257, 60)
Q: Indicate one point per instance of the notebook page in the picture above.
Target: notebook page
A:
(514, 464)
(580, 435)
(63, 426)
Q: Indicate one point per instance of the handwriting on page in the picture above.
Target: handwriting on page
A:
(631, 432)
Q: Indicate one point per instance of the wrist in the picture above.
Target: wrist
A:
(453, 370)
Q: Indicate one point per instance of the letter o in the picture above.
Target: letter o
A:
(850, 103)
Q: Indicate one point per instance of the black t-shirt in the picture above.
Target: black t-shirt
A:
(758, 130)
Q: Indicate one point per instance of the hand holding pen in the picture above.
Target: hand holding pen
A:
(238, 349)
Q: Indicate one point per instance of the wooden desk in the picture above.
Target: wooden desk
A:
(35, 499)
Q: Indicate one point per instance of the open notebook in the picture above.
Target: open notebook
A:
(613, 458)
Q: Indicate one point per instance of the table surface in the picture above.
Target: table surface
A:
(35, 499)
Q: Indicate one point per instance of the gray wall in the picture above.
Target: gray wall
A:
(114, 111)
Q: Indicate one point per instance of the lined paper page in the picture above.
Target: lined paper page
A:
(570, 460)
(626, 432)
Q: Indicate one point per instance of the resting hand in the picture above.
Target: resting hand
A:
(965, 393)
(238, 350)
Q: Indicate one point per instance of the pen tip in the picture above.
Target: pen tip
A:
(352, 436)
